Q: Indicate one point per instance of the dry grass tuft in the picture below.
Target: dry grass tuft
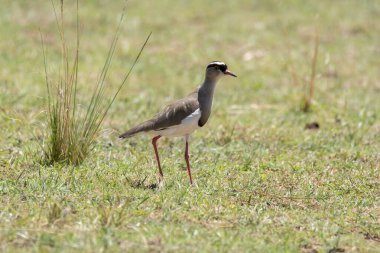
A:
(72, 133)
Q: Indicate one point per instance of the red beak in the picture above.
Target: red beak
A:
(227, 72)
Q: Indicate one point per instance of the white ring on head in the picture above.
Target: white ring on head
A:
(217, 63)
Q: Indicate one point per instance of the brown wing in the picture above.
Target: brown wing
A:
(171, 115)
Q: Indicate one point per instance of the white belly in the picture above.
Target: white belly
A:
(187, 126)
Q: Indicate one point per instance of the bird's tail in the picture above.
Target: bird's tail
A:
(143, 127)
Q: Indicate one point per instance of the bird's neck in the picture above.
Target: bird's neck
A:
(208, 86)
(205, 97)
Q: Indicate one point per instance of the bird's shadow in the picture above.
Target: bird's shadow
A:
(140, 184)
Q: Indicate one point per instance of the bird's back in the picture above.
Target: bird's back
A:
(170, 116)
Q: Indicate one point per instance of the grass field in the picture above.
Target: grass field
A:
(263, 183)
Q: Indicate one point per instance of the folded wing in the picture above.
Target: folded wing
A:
(171, 115)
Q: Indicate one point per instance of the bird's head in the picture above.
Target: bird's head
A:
(217, 69)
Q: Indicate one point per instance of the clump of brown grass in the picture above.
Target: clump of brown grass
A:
(72, 133)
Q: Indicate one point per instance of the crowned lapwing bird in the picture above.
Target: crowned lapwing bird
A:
(184, 116)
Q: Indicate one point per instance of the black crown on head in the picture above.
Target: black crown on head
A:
(219, 64)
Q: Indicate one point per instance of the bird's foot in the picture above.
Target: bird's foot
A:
(161, 183)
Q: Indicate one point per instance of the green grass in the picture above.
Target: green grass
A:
(262, 182)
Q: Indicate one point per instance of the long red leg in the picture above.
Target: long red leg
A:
(154, 142)
(187, 158)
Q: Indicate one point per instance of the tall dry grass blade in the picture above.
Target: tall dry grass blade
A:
(46, 72)
(97, 97)
(126, 77)
(310, 95)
